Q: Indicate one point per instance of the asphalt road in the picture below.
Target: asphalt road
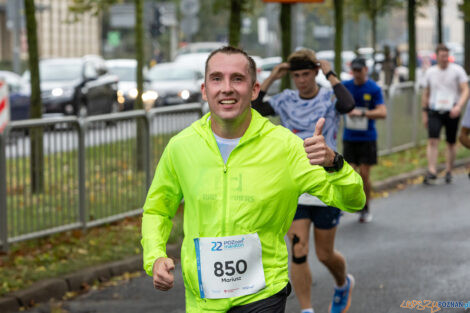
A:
(416, 248)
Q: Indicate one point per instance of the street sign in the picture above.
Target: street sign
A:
(190, 25)
(168, 14)
(189, 7)
(122, 15)
(114, 38)
(4, 105)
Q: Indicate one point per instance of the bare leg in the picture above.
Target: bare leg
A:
(432, 153)
(300, 273)
(331, 258)
(450, 156)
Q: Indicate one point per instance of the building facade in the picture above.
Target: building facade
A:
(58, 34)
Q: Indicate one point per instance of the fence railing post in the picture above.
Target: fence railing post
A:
(147, 150)
(82, 199)
(3, 195)
(389, 121)
(415, 115)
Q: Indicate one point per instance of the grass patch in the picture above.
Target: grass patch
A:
(409, 160)
(33, 260)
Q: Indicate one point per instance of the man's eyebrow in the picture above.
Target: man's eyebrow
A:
(236, 74)
(215, 74)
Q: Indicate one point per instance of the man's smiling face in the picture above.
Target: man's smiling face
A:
(228, 88)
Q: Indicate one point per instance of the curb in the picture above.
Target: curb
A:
(56, 288)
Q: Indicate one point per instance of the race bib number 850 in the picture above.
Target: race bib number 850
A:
(229, 266)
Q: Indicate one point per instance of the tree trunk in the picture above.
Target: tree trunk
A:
(285, 20)
(411, 40)
(235, 22)
(439, 21)
(338, 35)
(36, 133)
(374, 46)
(467, 35)
(139, 49)
(138, 104)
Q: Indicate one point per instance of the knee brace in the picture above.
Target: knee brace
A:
(297, 260)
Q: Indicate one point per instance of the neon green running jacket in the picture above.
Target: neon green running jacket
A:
(256, 191)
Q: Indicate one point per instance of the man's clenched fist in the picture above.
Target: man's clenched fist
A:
(163, 278)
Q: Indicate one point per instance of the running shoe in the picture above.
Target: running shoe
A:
(365, 217)
(342, 297)
(430, 178)
(448, 177)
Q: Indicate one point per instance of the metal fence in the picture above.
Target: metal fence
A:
(95, 170)
(98, 169)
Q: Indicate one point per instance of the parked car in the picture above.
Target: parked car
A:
(175, 83)
(193, 60)
(126, 71)
(80, 86)
(19, 99)
(346, 59)
(200, 47)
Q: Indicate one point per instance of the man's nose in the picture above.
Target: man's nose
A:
(226, 86)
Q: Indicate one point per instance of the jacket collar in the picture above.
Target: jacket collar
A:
(258, 126)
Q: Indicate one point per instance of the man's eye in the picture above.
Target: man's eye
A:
(216, 78)
(238, 79)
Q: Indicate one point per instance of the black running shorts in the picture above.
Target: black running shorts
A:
(274, 304)
(435, 122)
(360, 152)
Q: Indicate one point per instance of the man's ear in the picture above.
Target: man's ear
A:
(203, 91)
(255, 91)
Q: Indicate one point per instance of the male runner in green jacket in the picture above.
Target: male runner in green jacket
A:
(240, 177)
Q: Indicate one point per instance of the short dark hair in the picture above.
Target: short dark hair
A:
(441, 47)
(232, 50)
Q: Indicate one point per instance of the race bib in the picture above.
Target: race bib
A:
(357, 122)
(444, 101)
(229, 266)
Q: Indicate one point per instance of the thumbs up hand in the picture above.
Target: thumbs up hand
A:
(317, 151)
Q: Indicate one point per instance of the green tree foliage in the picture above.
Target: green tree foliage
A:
(37, 155)
(95, 7)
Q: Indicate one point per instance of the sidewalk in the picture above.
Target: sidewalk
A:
(57, 287)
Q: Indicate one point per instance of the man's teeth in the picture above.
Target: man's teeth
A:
(227, 101)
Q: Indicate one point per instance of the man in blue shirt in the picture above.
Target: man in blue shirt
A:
(360, 134)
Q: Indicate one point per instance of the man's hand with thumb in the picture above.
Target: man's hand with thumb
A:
(317, 151)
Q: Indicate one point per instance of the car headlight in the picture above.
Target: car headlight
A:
(184, 94)
(149, 96)
(120, 93)
(133, 93)
(62, 92)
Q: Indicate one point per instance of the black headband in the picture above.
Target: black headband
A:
(296, 65)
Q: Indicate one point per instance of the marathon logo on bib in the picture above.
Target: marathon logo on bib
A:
(229, 266)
